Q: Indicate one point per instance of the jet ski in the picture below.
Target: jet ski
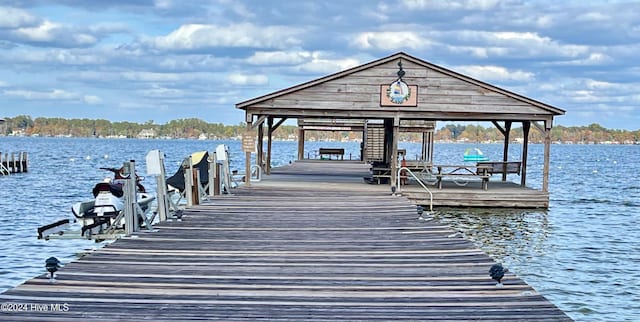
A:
(105, 210)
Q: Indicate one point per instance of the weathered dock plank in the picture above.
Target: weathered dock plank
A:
(304, 250)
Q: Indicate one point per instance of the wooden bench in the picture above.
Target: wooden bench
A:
(501, 166)
(378, 174)
(463, 171)
(330, 152)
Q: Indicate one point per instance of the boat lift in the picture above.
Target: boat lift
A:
(170, 202)
(130, 219)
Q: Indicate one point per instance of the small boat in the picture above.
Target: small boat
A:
(474, 155)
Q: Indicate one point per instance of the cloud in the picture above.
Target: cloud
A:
(390, 40)
(510, 43)
(244, 79)
(162, 92)
(16, 18)
(279, 57)
(92, 99)
(450, 5)
(174, 54)
(495, 73)
(53, 35)
(246, 35)
(592, 59)
(323, 66)
(53, 95)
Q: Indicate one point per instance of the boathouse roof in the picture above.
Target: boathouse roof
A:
(438, 94)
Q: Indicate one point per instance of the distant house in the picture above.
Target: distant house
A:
(147, 134)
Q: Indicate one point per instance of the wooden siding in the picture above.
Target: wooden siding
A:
(440, 93)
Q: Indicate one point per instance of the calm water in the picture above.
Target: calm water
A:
(583, 253)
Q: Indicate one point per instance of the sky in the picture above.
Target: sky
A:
(160, 60)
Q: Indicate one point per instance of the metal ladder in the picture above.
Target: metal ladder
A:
(398, 189)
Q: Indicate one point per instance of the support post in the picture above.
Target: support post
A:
(161, 184)
(270, 130)
(394, 151)
(505, 151)
(217, 182)
(300, 144)
(211, 160)
(547, 154)
(526, 127)
(188, 183)
(197, 186)
(130, 198)
(247, 163)
(260, 146)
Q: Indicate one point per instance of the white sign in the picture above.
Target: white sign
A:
(154, 163)
(221, 152)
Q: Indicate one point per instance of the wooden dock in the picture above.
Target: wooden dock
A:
(307, 244)
(9, 163)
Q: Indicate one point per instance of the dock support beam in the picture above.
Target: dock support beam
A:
(260, 157)
(547, 154)
(130, 198)
(247, 156)
(300, 144)
(505, 151)
(270, 129)
(394, 150)
(526, 127)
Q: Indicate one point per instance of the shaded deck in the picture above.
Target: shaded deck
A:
(349, 176)
(301, 245)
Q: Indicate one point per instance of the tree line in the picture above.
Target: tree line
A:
(194, 128)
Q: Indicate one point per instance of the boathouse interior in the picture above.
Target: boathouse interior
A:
(399, 93)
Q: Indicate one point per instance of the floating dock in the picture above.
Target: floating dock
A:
(311, 242)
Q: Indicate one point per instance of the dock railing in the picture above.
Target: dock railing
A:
(398, 186)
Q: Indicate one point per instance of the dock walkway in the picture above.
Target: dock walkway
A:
(301, 245)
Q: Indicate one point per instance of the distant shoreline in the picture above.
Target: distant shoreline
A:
(197, 129)
(327, 141)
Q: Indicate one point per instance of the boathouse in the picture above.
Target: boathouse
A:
(403, 93)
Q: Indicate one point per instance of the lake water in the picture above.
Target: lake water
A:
(583, 253)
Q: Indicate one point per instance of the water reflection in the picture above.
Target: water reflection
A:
(507, 235)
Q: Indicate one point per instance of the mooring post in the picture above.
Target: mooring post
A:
(212, 173)
(188, 183)
(13, 162)
(26, 162)
(197, 185)
(155, 167)
(217, 183)
(129, 187)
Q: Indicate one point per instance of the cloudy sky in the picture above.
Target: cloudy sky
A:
(143, 60)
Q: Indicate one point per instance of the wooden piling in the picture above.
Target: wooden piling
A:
(9, 163)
